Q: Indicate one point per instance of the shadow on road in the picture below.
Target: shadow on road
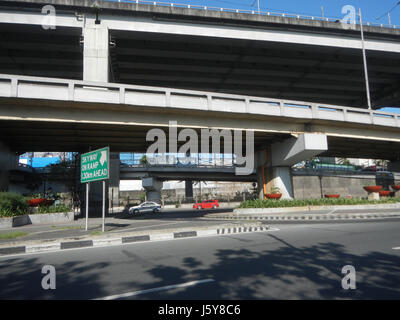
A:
(288, 272)
(170, 214)
(21, 279)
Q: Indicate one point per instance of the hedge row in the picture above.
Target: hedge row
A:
(313, 202)
(14, 204)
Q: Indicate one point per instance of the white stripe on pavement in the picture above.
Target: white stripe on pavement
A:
(396, 248)
(136, 293)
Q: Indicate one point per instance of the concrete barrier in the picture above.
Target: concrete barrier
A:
(44, 218)
(51, 217)
(6, 223)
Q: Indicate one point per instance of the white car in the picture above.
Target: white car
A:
(147, 206)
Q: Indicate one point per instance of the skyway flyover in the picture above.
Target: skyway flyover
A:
(277, 56)
(111, 71)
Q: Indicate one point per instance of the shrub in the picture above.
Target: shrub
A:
(53, 209)
(12, 204)
(312, 202)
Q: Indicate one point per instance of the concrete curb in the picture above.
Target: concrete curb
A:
(315, 208)
(112, 239)
(310, 217)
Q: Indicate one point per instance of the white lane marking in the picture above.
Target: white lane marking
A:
(136, 293)
(396, 248)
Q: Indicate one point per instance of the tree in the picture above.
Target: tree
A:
(344, 161)
(144, 161)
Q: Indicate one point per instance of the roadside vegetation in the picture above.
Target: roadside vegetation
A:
(53, 209)
(313, 202)
(13, 204)
(12, 235)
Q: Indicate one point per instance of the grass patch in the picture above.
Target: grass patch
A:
(67, 228)
(13, 235)
(312, 202)
(95, 233)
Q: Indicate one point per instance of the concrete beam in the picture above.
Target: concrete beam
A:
(294, 150)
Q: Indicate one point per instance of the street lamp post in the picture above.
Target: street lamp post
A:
(364, 60)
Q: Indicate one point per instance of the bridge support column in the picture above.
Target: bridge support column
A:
(96, 53)
(274, 163)
(113, 185)
(394, 166)
(153, 188)
(189, 189)
(8, 161)
(269, 178)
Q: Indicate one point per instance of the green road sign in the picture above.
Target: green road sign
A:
(94, 165)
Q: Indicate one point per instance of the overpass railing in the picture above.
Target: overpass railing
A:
(27, 87)
(181, 162)
(264, 13)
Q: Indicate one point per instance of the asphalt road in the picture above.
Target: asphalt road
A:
(299, 261)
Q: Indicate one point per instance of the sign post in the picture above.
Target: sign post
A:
(95, 167)
(87, 205)
(104, 205)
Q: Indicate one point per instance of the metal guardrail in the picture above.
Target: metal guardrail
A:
(254, 12)
(180, 162)
(157, 166)
(15, 86)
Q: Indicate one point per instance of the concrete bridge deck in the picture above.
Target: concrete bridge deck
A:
(229, 52)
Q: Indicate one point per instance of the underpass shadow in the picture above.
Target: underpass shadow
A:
(190, 213)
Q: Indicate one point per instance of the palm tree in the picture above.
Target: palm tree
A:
(344, 161)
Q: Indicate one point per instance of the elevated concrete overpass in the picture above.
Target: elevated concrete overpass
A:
(105, 77)
(227, 52)
(165, 173)
(45, 114)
